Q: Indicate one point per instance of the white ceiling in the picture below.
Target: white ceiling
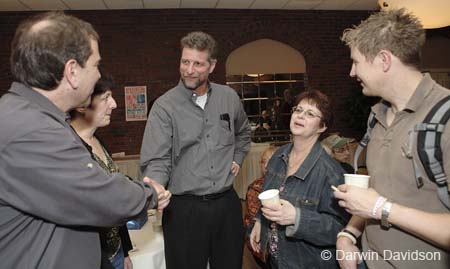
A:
(26, 5)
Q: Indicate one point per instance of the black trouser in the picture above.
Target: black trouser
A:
(200, 229)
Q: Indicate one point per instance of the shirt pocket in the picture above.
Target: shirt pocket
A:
(307, 203)
(226, 136)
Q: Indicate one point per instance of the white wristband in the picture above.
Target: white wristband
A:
(349, 236)
(380, 201)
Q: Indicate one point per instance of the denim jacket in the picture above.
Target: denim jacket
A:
(319, 217)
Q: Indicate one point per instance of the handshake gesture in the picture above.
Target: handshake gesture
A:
(163, 194)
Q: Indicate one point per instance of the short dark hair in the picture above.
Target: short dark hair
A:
(104, 84)
(396, 30)
(44, 43)
(322, 102)
(200, 41)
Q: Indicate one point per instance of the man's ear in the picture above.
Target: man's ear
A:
(81, 110)
(386, 59)
(213, 65)
(71, 73)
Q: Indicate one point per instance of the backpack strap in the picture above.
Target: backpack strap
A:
(409, 155)
(429, 146)
(365, 140)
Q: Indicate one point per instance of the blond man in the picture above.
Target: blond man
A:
(394, 217)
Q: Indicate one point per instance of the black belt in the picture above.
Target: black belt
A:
(205, 197)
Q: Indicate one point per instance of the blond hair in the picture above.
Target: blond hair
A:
(398, 31)
(200, 41)
(267, 153)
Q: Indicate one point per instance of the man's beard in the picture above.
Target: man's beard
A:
(193, 85)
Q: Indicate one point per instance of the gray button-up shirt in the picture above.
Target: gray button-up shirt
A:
(52, 194)
(190, 149)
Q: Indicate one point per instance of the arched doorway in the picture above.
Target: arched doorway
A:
(267, 75)
(265, 56)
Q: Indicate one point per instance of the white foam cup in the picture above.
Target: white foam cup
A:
(357, 180)
(268, 197)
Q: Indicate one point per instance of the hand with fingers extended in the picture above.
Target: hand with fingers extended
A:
(255, 237)
(283, 214)
(357, 201)
(163, 194)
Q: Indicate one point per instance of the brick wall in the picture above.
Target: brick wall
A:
(141, 47)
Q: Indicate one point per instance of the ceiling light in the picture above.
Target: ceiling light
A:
(431, 13)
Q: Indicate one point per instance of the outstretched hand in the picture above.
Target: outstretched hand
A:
(163, 194)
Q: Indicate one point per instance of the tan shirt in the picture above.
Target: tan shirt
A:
(392, 175)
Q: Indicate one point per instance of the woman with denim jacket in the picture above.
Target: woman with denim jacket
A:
(301, 231)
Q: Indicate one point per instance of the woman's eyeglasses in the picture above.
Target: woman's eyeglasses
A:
(308, 113)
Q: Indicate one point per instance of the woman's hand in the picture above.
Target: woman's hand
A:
(127, 263)
(163, 194)
(283, 214)
(255, 237)
(347, 253)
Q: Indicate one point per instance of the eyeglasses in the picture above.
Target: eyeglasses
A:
(308, 113)
(341, 149)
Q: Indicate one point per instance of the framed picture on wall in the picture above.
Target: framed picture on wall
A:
(135, 103)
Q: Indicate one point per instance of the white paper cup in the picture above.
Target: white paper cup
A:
(357, 180)
(270, 197)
